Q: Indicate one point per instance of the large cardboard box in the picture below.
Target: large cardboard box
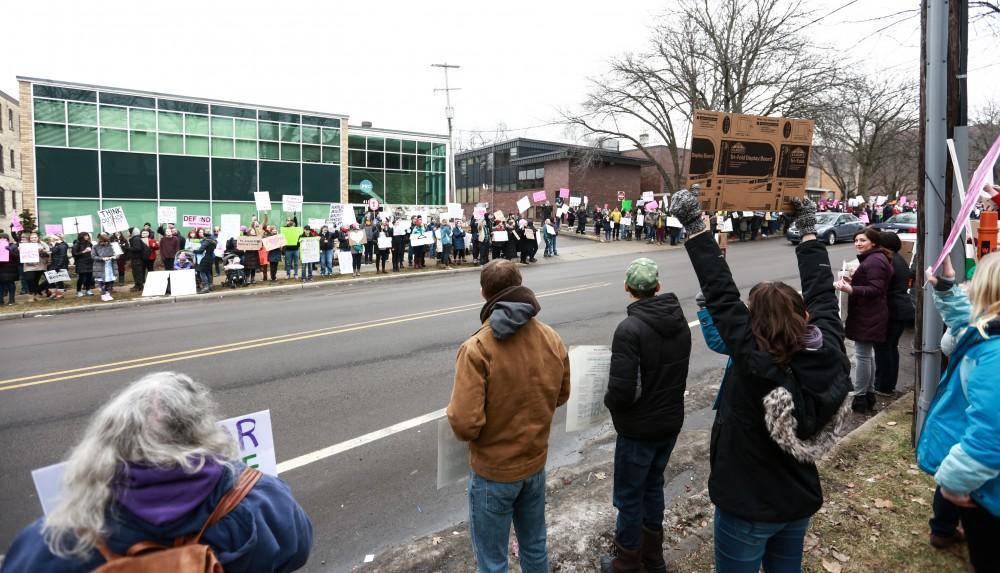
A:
(749, 162)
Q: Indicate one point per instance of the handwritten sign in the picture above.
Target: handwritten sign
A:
(539, 197)
(262, 200)
(500, 236)
(523, 204)
(29, 252)
(647, 196)
(165, 215)
(564, 193)
(336, 216)
(626, 221)
(291, 203)
(273, 242)
(574, 201)
(309, 250)
(550, 229)
(197, 221)
(421, 239)
(248, 243)
(56, 276)
(117, 249)
(589, 368)
(113, 220)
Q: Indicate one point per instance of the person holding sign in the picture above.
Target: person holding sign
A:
(765, 443)
(58, 261)
(650, 352)
(151, 467)
(357, 239)
(139, 251)
(8, 268)
(383, 243)
(105, 262)
(35, 258)
(510, 376)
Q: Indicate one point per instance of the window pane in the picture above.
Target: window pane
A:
(400, 187)
(171, 122)
(222, 127)
(196, 145)
(171, 143)
(269, 150)
(310, 153)
(222, 147)
(376, 143)
(144, 141)
(83, 137)
(438, 149)
(392, 161)
(198, 125)
(82, 113)
(290, 152)
(331, 155)
(49, 110)
(376, 159)
(409, 146)
(392, 145)
(331, 136)
(113, 117)
(268, 131)
(310, 134)
(424, 163)
(409, 162)
(355, 158)
(438, 164)
(113, 139)
(246, 129)
(48, 134)
(356, 141)
(142, 119)
(290, 133)
(246, 149)
(423, 147)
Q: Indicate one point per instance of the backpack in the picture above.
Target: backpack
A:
(187, 555)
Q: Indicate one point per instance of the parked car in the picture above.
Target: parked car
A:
(830, 228)
(901, 223)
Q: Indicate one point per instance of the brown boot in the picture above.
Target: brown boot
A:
(624, 561)
(651, 551)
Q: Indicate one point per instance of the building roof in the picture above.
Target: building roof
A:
(8, 97)
(355, 129)
(554, 152)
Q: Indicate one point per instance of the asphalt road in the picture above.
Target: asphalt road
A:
(331, 364)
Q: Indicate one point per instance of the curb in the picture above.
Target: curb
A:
(875, 420)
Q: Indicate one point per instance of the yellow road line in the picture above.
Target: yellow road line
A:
(247, 344)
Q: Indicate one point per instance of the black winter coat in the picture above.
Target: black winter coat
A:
(867, 309)
(59, 256)
(84, 261)
(900, 306)
(8, 270)
(651, 349)
(751, 476)
(138, 249)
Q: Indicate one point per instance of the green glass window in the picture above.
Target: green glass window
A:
(438, 164)
(400, 187)
(197, 125)
(331, 136)
(268, 131)
(424, 147)
(290, 152)
(142, 119)
(438, 149)
(310, 134)
(310, 153)
(356, 141)
(114, 139)
(269, 150)
(376, 143)
(331, 154)
(246, 149)
(83, 137)
(376, 159)
(321, 183)
(222, 147)
(392, 145)
(66, 173)
(409, 162)
(280, 178)
(171, 122)
(82, 113)
(355, 158)
(376, 177)
(246, 129)
(184, 178)
(114, 116)
(171, 143)
(194, 145)
(49, 134)
(409, 146)
(291, 133)
(64, 93)
(222, 127)
(50, 110)
(392, 161)
(424, 163)
(144, 141)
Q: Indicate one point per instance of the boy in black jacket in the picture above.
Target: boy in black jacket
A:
(649, 366)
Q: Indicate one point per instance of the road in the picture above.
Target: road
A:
(331, 364)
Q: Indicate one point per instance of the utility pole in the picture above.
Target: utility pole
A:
(449, 113)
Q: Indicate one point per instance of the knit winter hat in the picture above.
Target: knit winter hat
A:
(642, 275)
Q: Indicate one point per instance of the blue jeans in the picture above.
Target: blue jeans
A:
(492, 507)
(292, 264)
(307, 270)
(638, 487)
(326, 262)
(741, 545)
(548, 245)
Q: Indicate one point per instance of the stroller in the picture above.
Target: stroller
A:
(235, 275)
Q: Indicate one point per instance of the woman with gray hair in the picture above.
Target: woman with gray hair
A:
(151, 467)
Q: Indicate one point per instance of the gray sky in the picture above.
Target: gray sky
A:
(521, 61)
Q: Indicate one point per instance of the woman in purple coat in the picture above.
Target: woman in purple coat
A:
(867, 312)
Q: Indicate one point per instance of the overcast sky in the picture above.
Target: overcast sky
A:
(520, 61)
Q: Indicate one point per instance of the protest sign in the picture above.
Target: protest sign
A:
(248, 243)
(640, 220)
(156, 283)
(564, 193)
(4, 253)
(309, 250)
(650, 206)
(747, 213)
(401, 227)
(56, 276)
(626, 221)
(647, 196)
(252, 433)
(627, 205)
(748, 161)
(498, 214)
(348, 218)
(523, 204)
(291, 234)
(538, 197)
(455, 211)
(574, 201)
(273, 242)
(76, 225)
(29, 252)
(384, 243)
(165, 215)
(727, 226)
(113, 220)
(452, 456)
(262, 200)
(229, 228)
(15, 223)
(418, 239)
(196, 221)
(53, 229)
(499, 236)
(183, 283)
(317, 224)
(346, 262)
(589, 368)
(291, 203)
(336, 216)
(479, 212)
(117, 248)
(550, 229)
(562, 211)
(529, 234)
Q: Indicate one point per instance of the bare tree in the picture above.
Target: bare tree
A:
(983, 131)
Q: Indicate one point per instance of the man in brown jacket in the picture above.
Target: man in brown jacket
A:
(509, 378)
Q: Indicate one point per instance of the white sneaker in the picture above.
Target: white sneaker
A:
(105, 297)
(90, 293)
(79, 294)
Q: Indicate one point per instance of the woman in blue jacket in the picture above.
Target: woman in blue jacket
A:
(960, 441)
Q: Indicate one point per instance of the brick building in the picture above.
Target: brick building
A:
(10, 160)
(502, 173)
(650, 175)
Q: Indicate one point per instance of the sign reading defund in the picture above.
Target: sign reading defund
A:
(252, 433)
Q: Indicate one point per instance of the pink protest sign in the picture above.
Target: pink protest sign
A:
(538, 196)
(651, 205)
(902, 200)
(4, 253)
(15, 223)
(53, 229)
(564, 193)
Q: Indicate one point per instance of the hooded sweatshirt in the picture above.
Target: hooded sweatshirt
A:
(649, 365)
(510, 376)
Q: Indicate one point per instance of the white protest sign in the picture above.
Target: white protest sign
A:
(647, 196)
(156, 283)
(346, 262)
(348, 216)
(626, 221)
(523, 204)
(498, 214)
(197, 221)
(29, 252)
(640, 219)
(384, 243)
(183, 282)
(317, 224)
(291, 203)
(165, 215)
(455, 211)
(500, 236)
(419, 239)
(113, 220)
(727, 226)
(251, 432)
(274, 242)
(336, 216)
(248, 243)
(309, 250)
(452, 456)
(673, 222)
(574, 201)
(562, 211)
(589, 368)
(117, 248)
(550, 229)
(262, 200)
(229, 228)
(401, 227)
(56, 276)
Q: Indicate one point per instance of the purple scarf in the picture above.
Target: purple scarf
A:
(162, 495)
(813, 337)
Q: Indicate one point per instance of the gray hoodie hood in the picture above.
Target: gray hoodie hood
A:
(509, 310)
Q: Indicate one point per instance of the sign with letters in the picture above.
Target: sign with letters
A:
(589, 368)
(197, 221)
(248, 243)
(291, 203)
(166, 214)
(113, 220)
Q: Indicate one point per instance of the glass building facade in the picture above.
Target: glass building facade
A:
(96, 148)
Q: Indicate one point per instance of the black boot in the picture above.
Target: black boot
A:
(651, 551)
(624, 561)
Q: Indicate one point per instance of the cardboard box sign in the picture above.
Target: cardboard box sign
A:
(749, 162)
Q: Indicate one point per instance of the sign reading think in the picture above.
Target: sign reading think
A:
(29, 252)
(197, 221)
(291, 203)
(113, 220)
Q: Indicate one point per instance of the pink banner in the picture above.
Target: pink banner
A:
(980, 176)
(53, 230)
(564, 193)
(538, 196)
(4, 253)
(15, 223)
(651, 205)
